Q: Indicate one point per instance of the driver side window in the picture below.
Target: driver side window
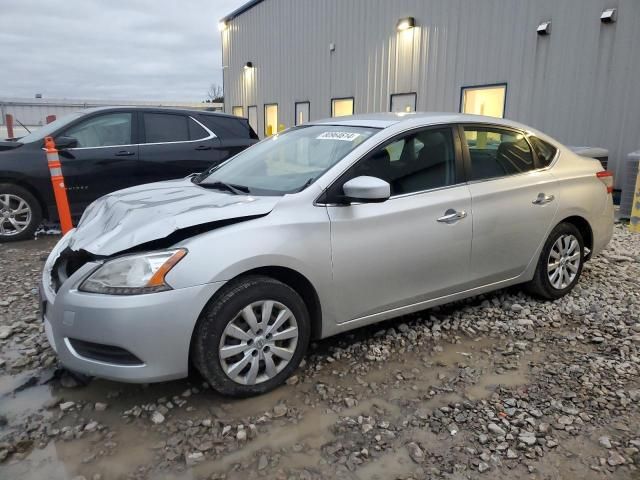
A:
(112, 129)
(421, 160)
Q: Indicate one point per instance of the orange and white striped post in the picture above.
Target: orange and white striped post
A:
(57, 181)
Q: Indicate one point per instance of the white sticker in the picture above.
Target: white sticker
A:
(345, 136)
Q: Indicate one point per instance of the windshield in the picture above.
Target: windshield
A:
(49, 128)
(287, 162)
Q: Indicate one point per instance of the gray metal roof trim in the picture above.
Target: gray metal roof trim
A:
(241, 10)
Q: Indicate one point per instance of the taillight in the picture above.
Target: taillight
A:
(606, 177)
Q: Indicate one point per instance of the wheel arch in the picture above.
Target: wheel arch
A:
(32, 190)
(584, 227)
(292, 279)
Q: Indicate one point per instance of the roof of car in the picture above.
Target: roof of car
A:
(160, 109)
(384, 120)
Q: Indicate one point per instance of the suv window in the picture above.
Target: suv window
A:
(162, 127)
(495, 152)
(544, 151)
(111, 129)
(227, 127)
(422, 160)
(196, 132)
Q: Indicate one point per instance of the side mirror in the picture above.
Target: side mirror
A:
(366, 190)
(63, 143)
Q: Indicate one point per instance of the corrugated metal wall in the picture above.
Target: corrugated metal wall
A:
(578, 84)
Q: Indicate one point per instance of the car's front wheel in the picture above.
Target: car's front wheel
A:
(560, 263)
(20, 213)
(251, 337)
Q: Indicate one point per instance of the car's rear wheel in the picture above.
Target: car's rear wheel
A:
(20, 213)
(251, 337)
(560, 263)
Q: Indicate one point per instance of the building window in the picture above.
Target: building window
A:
(341, 107)
(238, 111)
(486, 100)
(270, 119)
(302, 112)
(403, 102)
(253, 117)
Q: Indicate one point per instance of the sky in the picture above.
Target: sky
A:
(111, 49)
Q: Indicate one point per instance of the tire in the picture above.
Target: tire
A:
(542, 285)
(18, 226)
(231, 308)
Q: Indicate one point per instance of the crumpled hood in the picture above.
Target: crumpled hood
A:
(137, 215)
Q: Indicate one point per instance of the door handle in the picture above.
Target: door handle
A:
(124, 153)
(203, 147)
(543, 199)
(452, 216)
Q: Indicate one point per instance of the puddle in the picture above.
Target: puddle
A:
(18, 400)
(62, 460)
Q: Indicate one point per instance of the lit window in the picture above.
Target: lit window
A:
(238, 111)
(341, 107)
(302, 112)
(403, 102)
(488, 100)
(270, 119)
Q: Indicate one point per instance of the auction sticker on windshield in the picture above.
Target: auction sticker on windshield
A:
(345, 136)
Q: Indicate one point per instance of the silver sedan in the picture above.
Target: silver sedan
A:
(312, 232)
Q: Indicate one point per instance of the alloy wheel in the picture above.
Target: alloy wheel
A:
(258, 342)
(15, 215)
(564, 260)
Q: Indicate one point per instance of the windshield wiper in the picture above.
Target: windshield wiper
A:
(306, 184)
(228, 187)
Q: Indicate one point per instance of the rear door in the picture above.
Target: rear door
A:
(514, 201)
(174, 145)
(105, 159)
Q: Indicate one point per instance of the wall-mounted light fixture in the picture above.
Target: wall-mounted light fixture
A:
(405, 24)
(248, 65)
(609, 15)
(222, 25)
(544, 28)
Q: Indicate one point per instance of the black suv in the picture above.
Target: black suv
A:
(107, 149)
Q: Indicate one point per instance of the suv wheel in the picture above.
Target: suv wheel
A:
(560, 263)
(20, 213)
(251, 337)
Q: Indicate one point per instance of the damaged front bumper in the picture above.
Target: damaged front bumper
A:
(136, 338)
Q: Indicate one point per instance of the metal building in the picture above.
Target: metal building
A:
(567, 67)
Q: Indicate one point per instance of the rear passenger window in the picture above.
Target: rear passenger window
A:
(161, 127)
(496, 152)
(227, 127)
(544, 151)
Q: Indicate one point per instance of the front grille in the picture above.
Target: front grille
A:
(104, 353)
(68, 263)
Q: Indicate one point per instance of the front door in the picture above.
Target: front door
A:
(413, 247)
(104, 160)
(514, 202)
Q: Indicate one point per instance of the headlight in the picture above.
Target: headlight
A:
(134, 274)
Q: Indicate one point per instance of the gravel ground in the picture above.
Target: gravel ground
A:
(500, 386)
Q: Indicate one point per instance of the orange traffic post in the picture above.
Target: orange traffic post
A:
(57, 181)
